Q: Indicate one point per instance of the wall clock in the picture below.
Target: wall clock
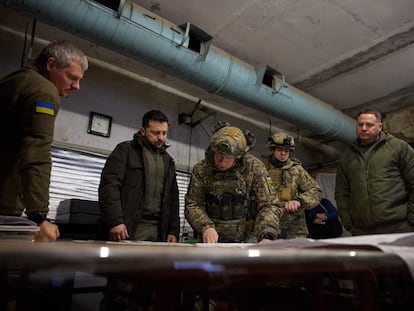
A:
(99, 124)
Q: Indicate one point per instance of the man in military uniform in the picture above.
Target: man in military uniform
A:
(30, 102)
(295, 187)
(222, 186)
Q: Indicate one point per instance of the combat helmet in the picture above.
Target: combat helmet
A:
(230, 140)
(281, 139)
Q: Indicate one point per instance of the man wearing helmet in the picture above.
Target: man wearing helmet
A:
(295, 187)
(222, 186)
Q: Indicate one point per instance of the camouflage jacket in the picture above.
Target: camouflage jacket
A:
(293, 182)
(266, 215)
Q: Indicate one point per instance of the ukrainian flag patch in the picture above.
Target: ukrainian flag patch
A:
(46, 108)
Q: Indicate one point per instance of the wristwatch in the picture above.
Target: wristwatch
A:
(38, 218)
(268, 236)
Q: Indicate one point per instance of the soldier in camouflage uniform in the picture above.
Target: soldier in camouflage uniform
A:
(223, 184)
(295, 187)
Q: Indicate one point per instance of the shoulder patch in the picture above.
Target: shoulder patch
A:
(270, 185)
(46, 108)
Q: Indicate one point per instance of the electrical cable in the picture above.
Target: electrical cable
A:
(29, 54)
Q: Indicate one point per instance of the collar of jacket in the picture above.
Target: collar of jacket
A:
(39, 70)
(284, 165)
(143, 142)
(383, 137)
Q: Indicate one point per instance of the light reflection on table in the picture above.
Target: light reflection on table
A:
(263, 277)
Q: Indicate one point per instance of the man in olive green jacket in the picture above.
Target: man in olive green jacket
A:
(139, 200)
(30, 102)
(375, 181)
(138, 192)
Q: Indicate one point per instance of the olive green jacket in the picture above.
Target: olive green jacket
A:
(122, 191)
(30, 103)
(379, 190)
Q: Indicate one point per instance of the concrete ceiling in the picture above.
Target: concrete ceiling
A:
(350, 54)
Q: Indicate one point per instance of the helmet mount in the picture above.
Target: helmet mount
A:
(281, 139)
(230, 140)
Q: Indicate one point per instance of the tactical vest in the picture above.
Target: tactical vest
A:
(282, 181)
(226, 204)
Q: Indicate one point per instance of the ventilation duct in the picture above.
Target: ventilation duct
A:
(186, 52)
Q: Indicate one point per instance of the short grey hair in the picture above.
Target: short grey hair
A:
(64, 53)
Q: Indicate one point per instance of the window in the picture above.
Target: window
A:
(76, 175)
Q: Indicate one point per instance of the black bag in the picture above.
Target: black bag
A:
(332, 228)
